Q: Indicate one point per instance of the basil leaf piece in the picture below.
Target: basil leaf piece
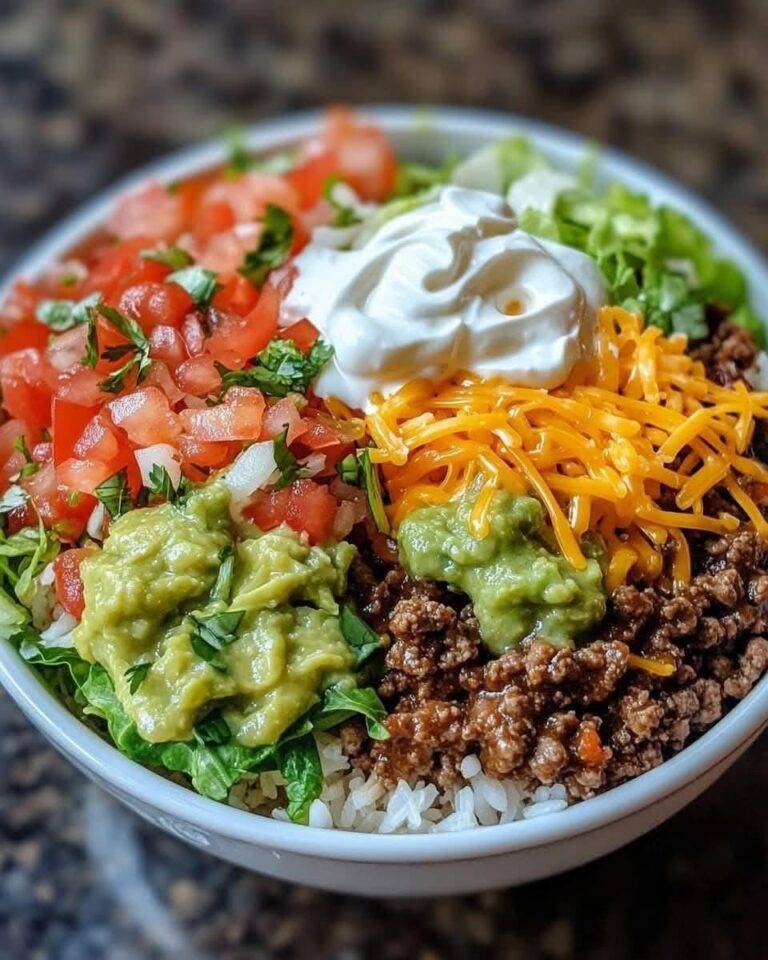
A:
(136, 675)
(212, 729)
(274, 245)
(199, 283)
(61, 315)
(373, 494)
(173, 257)
(115, 494)
(348, 470)
(289, 467)
(346, 215)
(213, 632)
(340, 703)
(359, 636)
(299, 763)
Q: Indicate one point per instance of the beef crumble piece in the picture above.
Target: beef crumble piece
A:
(728, 353)
(543, 714)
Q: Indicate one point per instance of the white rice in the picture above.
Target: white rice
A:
(351, 801)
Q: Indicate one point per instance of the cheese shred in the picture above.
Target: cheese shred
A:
(628, 448)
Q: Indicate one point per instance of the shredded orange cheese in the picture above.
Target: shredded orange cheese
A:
(628, 448)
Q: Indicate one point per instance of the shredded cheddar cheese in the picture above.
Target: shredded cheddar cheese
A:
(628, 449)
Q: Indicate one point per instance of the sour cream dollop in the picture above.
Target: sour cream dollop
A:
(450, 285)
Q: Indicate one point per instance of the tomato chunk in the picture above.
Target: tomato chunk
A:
(152, 304)
(97, 441)
(198, 376)
(303, 333)
(68, 582)
(238, 295)
(306, 507)
(279, 416)
(167, 344)
(243, 337)
(69, 422)
(146, 417)
(26, 380)
(83, 475)
(238, 418)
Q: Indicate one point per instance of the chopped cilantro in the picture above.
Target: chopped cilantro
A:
(199, 283)
(173, 257)
(61, 315)
(274, 245)
(213, 632)
(136, 675)
(115, 494)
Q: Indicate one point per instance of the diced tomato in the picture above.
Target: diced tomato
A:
(305, 506)
(10, 432)
(238, 418)
(42, 452)
(150, 211)
(268, 510)
(203, 453)
(320, 434)
(20, 517)
(97, 441)
(67, 350)
(160, 377)
(310, 176)
(193, 334)
(61, 509)
(365, 156)
(213, 217)
(279, 416)
(120, 265)
(20, 304)
(83, 475)
(26, 385)
(167, 344)
(24, 335)
(156, 303)
(249, 194)
(198, 376)
(67, 580)
(81, 387)
(238, 295)
(303, 333)
(69, 422)
(243, 337)
(146, 417)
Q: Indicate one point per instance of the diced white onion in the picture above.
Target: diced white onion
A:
(250, 472)
(60, 627)
(161, 455)
(47, 576)
(95, 526)
(312, 464)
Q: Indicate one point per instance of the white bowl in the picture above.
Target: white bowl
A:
(478, 859)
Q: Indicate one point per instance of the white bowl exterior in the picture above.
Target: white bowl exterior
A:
(481, 859)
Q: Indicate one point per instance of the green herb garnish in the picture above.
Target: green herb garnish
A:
(138, 347)
(281, 368)
(341, 703)
(199, 283)
(274, 245)
(136, 675)
(346, 216)
(213, 632)
(61, 315)
(349, 469)
(359, 636)
(289, 467)
(115, 494)
(372, 486)
(212, 730)
(173, 257)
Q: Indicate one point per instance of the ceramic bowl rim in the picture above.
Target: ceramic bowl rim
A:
(153, 792)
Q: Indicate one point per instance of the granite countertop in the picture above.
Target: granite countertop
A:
(90, 90)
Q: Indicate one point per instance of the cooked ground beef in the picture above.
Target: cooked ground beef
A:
(728, 353)
(581, 717)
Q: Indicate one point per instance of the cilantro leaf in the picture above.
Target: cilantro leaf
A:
(30, 467)
(289, 467)
(136, 675)
(138, 347)
(274, 245)
(281, 368)
(161, 484)
(359, 636)
(115, 494)
(199, 283)
(173, 257)
(91, 356)
(334, 191)
(61, 315)
(340, 703)
(222, 588)
(212, 632)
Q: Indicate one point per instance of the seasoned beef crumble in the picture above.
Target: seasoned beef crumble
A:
(581, 717)
(727, 354)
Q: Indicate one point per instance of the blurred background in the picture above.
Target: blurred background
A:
(89, 90)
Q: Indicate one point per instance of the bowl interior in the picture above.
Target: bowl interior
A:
(426, 135)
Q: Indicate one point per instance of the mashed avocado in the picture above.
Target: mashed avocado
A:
(517, 585)
(159, 565)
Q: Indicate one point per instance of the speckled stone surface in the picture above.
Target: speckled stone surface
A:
(89, 90)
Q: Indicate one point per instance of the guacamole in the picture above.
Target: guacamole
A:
(517, 585)
(155, 581)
